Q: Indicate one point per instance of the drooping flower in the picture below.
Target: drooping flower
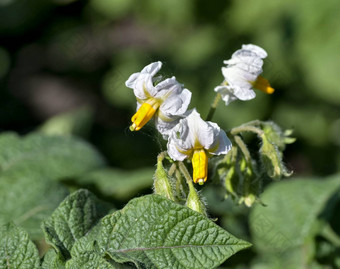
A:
(195, 139)
(166, 100)
(242, 74)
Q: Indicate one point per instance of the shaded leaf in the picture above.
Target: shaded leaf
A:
(27, 198)
(16, 249)
(157, 233)
(117, 183)
(295, 258)
(57, 156)
(77, 122)
(291, 212)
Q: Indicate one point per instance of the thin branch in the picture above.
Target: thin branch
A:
(185, 173)
(245, 128)
(213, 107)
(243, 148)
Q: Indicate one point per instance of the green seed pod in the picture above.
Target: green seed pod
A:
(194, 202)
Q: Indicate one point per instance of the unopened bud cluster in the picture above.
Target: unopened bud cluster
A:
(242, 173)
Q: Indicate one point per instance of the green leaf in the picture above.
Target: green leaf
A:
(56, 156)
(28, 167)
(85, 253)
(158, 233)
(75, 217)
(89, 260)
(16, 250)
(53, 260)
(117, 183)
(291, 213)
(27, 198)
(294, 258)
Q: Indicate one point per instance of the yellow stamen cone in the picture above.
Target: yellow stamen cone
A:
(263, 85)
(200, 166)
(142, 116)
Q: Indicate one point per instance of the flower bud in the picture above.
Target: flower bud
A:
(161, 182)
(276, 136)
(271, 159)
(230, 181)
(250, 199)
(194, 202)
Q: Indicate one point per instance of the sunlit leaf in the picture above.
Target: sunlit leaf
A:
(157, 233)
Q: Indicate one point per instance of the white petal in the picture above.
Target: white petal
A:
(176, 104)
(179, 143)
(222, 144)
(192, 133)
(231, 93)
(226, 94)
(247, 61)
(242, 93)
(182, 134)
(142, 82)
(239, 83)
(165, 127)
(152, 68)
(130, 83)
(143, 87)
(166, 87)
(138, 106)
(174, 153)
(258, 50)
(239, 77)
(200, 131)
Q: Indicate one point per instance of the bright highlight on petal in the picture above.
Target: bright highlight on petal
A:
(200, 166)
(263, 85)
(142, 116)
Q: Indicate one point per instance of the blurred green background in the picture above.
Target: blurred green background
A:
(64, 63)
(59, 56)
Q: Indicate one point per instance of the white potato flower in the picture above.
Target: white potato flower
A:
(195, 139)
(242, 74)
(166, 100)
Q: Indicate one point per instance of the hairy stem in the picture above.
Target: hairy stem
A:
(185, 173)
(161, 156)
(246, 128)
(243, 147)
(172, 169)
